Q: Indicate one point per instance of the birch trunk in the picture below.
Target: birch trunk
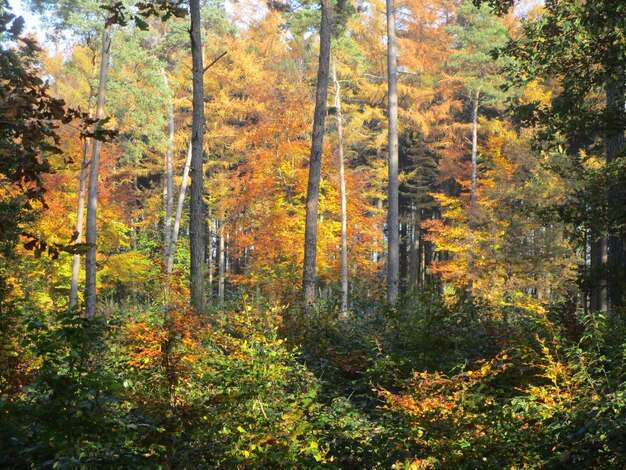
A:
(342, 191)
(94, 169)
(179, 213)
(475, 102)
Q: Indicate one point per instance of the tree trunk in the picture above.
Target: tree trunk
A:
(222, 265)
(615, 142)
(421, 264)
(169, 177)
(196, 215)
(92, 190)
(475, 102)
(342, 192)
(393, 250)
(413, 251)
(80, 212)
(209, 247)
(179, 212)
(403, 256)
(315, 165)
(599, 291)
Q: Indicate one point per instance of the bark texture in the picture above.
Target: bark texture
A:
(179, 212)
(82, 187)
(221, 265)
(94, 169)
(393, 234)
(615, 142)
(197, 212)
(342, 193)
(599, 292)
(315, 164)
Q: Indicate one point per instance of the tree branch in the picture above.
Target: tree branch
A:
(212, 63)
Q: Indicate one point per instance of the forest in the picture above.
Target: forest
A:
(352, 234)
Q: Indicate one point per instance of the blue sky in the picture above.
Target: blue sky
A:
(33, 24)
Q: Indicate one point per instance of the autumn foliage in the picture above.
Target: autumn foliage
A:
(505, 348)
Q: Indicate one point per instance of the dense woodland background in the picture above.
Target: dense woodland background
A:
(164, 165)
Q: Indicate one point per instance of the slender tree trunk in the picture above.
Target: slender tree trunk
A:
(179, 212)
(599, 258)
(209, 248)
(228, 265)
(80, 212)
(315, 165)
(342, 192)
(475, 102)
(615, 142)
(413, 251)
(403, 256)
(169, 177)
(197, 216)
(222, 265)
(421, 271)
(94, 169)
(393, 235)
(586, 293)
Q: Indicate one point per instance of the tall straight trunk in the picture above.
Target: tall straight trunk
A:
(196, 216)
(228, 264)
(615, 141)
(342, 193)
(599, 292)
(413, 251)
(209, 247)
(404, 255)
(169, 176)
(82, 186)
(222, 264)
(315, 164)
(94, 169)
(475, 102)
(421, 271)
(393, 235)
(179, 212)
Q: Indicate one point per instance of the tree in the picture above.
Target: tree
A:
(393, 232)
(505, 247)
(315, 164)
(342, 189)
(580, 44)
(28, 131)
(168, 185)
(67, 20)
(197, 210)
(476, 34)
(80, 212)
(94, 169)
(171, 248)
